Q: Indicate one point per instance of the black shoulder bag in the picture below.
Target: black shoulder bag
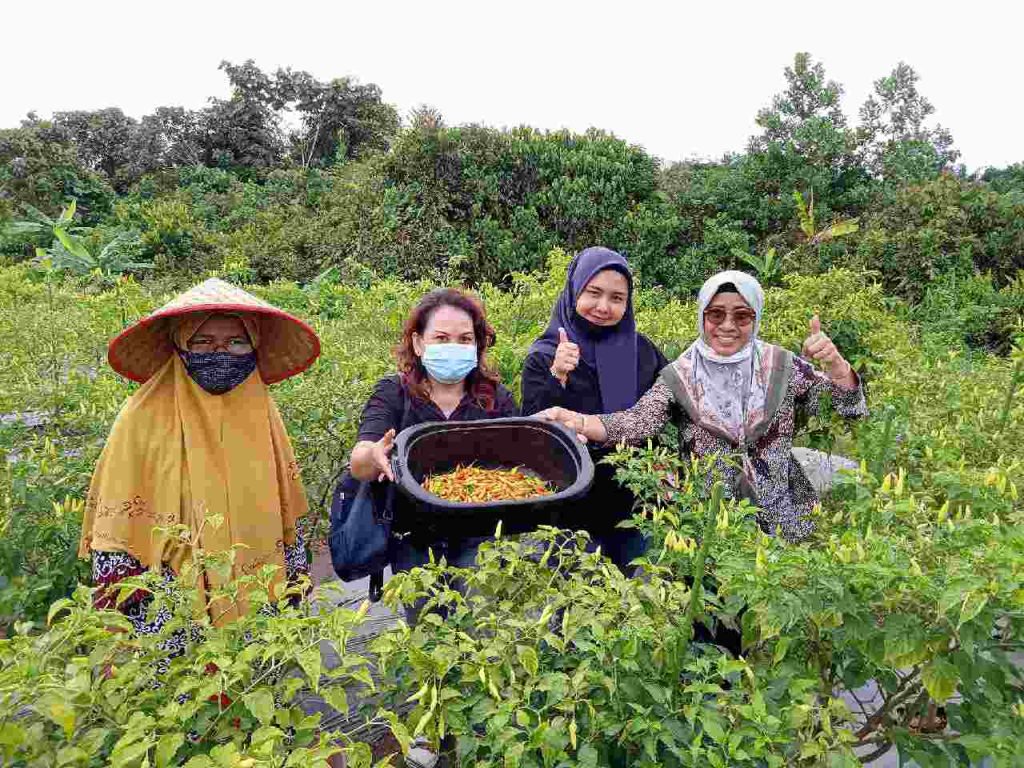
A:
(361, 516)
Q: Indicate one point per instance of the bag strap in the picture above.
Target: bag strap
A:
(406, 404)
(376, 587)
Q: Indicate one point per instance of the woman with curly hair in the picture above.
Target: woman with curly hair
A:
(443, 376)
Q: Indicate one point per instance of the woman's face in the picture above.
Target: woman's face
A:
(221, 333)
(728, 323)
(604, 299)
(447, 325)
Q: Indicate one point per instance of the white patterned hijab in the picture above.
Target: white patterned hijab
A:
(729, 391)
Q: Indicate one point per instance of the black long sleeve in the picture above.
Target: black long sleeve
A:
(582, 393)
(540, 389)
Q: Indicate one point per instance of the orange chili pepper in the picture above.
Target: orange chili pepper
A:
(470, 484)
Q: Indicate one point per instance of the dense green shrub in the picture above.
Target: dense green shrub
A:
(944, 227)
(39, 166)
(495, 202)
(958, 311)
(102, 695)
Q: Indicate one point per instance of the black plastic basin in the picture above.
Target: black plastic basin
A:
(548, 450)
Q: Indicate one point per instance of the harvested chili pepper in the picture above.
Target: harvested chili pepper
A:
(475, 485)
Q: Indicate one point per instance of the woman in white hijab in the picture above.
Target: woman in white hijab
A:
(739, 396)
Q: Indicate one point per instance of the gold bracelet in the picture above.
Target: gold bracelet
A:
(583, 423)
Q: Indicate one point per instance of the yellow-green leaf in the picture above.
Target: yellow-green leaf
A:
(261, 703)
(166, 748)
(940, 678)
(974, 603)
(309, 660)
(528, 658)
(336, 697)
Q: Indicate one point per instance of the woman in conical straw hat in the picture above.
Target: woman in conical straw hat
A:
(201, 438)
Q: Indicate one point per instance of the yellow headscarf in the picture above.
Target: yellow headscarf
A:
(177, 454)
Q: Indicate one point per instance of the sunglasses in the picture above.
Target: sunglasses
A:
(743, 318)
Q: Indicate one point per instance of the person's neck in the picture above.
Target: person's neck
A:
(444, 395)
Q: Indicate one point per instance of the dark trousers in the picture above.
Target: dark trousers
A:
(407, 554)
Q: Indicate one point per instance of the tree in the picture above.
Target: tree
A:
(805, 144)
(39, 166)
(1008, 179)
(807, 118)
(244, 131)
(171, 137)
(102, 138)
(896, 142)
(340, 119)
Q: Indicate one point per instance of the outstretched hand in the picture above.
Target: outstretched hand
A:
(381, 453)
(819, 347)
(565, 417)
(587, 428)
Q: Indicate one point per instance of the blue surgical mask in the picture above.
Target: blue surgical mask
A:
(449, 363)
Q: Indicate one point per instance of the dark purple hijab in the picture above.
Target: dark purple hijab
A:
(611, 352)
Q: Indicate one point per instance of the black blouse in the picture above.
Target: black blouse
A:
(607, 502)
(582, 393)
(383, 411)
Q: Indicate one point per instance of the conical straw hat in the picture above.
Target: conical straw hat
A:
(287, 345)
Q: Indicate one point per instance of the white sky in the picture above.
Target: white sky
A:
(682, 79)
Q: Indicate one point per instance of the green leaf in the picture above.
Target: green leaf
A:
(840, 228)
(528, 658)
(513, 755)
(810, 749)
(805, 213)
(940, 678)
(166, 748)
(72, 756)
(780, 648)
(56, 608)
(11, 735)
(261, 703)
(587, 757)
(25, 227)
(129, 754)
(976, 744)
(398, 729)
(336, 697)
(264, 734)
(225, 755)
(713, 726)
(309, 660)
(63, 715)
(974, 603)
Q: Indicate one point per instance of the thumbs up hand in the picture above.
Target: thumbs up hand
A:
(818, 346)
(567, 357)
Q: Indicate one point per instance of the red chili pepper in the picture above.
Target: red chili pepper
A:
(221, 699)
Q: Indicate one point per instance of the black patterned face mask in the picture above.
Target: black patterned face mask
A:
(218, 372)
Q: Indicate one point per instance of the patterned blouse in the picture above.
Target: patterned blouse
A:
(108, 568)
(784, 495)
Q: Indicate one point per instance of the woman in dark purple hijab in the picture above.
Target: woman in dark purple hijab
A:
(591, 360)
